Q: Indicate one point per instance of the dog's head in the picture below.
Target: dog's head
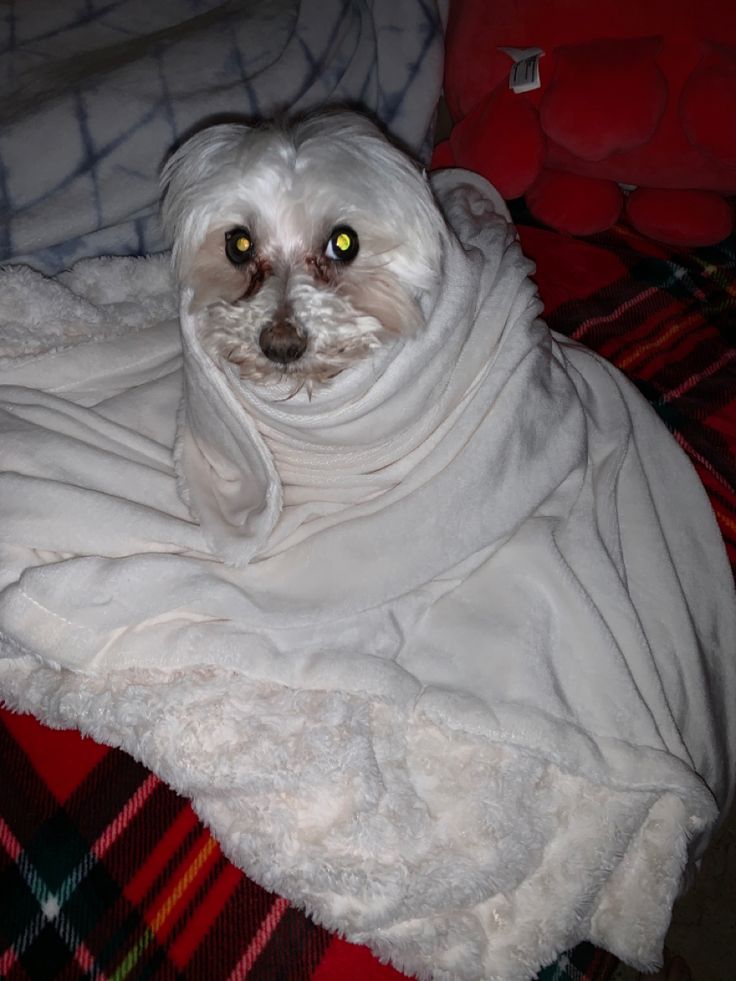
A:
(305, 246)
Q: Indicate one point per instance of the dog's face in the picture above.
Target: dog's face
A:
(304, 248)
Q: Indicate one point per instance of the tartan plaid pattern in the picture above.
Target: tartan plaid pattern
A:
(106, 873)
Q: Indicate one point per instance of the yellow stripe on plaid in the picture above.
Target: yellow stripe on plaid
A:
(164, 912)
(661, 341)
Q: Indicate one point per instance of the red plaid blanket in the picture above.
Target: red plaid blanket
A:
(106, 873)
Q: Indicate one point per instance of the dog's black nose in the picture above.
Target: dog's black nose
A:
(281, 342)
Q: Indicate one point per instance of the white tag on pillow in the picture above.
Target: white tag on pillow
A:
(524, 75)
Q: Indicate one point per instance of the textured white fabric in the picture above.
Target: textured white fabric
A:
(462, 686)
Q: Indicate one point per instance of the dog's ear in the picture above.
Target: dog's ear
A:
(348, 151)
(192, 166)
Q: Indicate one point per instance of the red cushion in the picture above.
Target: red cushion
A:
(708, 105)
(605, 96)
(443, 156)
(680, 217)
(579, 205)
(506, 122)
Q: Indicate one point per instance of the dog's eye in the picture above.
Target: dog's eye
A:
(238, 245)
(342, 245)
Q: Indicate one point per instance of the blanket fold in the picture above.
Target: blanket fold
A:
(444, 654)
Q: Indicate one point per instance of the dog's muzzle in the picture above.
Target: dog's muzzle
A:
(282, 342)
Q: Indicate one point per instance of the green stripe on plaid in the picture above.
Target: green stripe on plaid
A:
(584, 963)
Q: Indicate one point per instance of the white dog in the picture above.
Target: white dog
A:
(305, 246)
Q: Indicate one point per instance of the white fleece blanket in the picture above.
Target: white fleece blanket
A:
(446, 656)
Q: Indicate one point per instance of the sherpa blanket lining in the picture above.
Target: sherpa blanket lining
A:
(445, 656)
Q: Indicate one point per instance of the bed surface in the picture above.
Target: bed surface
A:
(105, 871)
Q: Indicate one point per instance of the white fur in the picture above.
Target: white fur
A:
(291, 186)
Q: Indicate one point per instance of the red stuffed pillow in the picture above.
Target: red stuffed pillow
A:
(604, 97)
(633, 101)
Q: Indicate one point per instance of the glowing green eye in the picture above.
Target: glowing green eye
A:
(343, 244)
(238, 245)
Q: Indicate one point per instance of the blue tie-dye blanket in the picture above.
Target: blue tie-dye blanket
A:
(95, 93)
